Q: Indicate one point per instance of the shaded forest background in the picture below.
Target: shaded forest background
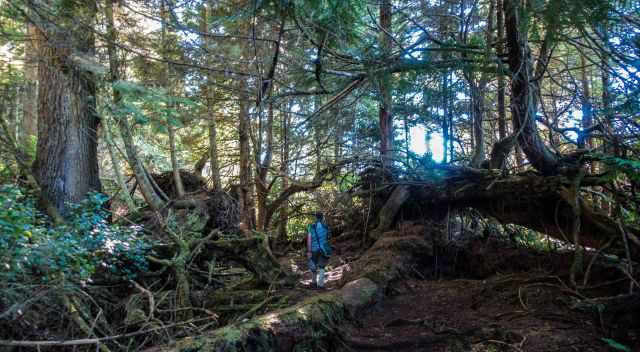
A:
(152, 152)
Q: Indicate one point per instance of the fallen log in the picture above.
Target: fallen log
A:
(311, 324)
(530, 200)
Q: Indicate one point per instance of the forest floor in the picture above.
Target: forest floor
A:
(474, 315)
(515, 311)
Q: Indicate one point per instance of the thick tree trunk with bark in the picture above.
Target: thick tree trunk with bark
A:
(525, 87)
(66, 164)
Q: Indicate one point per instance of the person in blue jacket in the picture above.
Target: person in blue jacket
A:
(318, 249)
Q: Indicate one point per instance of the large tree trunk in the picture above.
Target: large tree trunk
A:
(66, 164)
(525, 87)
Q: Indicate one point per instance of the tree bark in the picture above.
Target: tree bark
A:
(478, 108)
(284, 171)
(525, 87)
(388, 213)
(385, 115)
(262, 188)
(29, 130)
(477, 87)
(445, 116)
(502, 114)
(245, 192)
(66, 164)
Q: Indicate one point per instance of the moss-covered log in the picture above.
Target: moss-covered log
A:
(311, 323)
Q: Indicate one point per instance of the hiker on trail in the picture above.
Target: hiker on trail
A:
(318, 249)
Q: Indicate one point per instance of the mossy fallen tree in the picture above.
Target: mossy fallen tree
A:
(531, 200)
(311, 323)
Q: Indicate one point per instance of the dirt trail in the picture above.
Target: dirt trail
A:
(527, 306)
(522, 311)
(510, 313)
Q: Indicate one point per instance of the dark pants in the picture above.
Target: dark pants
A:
(317, 261)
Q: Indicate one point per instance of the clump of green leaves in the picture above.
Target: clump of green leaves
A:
(32, 251)
(629, 167)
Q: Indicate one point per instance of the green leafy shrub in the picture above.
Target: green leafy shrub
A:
(34, 252)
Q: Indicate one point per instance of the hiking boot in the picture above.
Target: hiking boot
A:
(320, 279)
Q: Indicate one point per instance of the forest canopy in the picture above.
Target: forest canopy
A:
(147, 144)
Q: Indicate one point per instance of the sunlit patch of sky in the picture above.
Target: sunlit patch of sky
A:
(418, 142)
(575, 119)
(417, 98)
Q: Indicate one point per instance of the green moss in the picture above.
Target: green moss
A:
(230, 334)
